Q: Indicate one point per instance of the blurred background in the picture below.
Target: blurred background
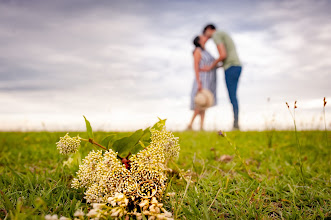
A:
(122, 64)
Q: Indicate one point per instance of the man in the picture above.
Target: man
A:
(231, 64)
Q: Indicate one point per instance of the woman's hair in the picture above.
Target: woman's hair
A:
(196, 43)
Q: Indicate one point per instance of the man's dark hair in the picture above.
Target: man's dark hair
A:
(211, 26)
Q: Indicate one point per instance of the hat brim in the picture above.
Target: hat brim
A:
(209, 99)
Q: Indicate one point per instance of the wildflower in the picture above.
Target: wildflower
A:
(51, 217)
(123, 184)
(221, 133)
(86, 175)
(154, 209)
(68, 145)
(171, 194)
(168, 142)
(324, 100)
(115, 212)
(64, 218)
(143, 203)
(118, 200)
(287, 105)
(92, 213)
(295, 104)
(165, 215)
(79, 213)
(98, 205)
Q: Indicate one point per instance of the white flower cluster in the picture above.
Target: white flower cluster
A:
(105, 175)
(153, 209)
(79, 213)
(87, 170)
(118, 200)
(68, 145)
(55, 217)
(118, 209)
(150, 208)
(98, 211)
(117, 190)
(168, 141)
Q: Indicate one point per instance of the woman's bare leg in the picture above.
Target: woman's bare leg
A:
(196, 112)
(202, 115)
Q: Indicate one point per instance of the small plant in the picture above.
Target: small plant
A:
(234, 146)
(127, 177)
(326, 131)
(296, 137)
(270, 128)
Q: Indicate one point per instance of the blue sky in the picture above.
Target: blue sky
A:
(125, 63)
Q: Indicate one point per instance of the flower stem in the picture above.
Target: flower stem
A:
(297, 140)
(299, 148)
(90, 140)
(233, 145)
(325, 129)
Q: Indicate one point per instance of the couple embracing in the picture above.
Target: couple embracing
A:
(204, 87)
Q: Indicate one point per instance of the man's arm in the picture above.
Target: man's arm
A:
(222, 55)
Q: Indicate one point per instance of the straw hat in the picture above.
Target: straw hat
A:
(204, 99)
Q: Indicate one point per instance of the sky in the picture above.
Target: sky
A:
(123, 64)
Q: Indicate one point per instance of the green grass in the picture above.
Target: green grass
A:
(34, 182)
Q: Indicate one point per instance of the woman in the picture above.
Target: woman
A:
(205, 80)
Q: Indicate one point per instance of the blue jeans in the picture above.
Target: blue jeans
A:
(231, 78)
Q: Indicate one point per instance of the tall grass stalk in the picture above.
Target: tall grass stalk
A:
(270, 129)
(183, 197)
(326, 131)
(234, 146)
(297, 139)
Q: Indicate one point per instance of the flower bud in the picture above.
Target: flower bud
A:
(68, 145)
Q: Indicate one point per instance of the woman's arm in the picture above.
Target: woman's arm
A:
(197, 58)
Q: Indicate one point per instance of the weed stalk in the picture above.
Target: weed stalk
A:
(234, 146)
(325, 130)
(297, 138)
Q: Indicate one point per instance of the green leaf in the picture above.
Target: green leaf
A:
(137, 147)
(108, 141)
(144, 141)
(127, 145)
(146, 137)
(160, 124)
(88, 128)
